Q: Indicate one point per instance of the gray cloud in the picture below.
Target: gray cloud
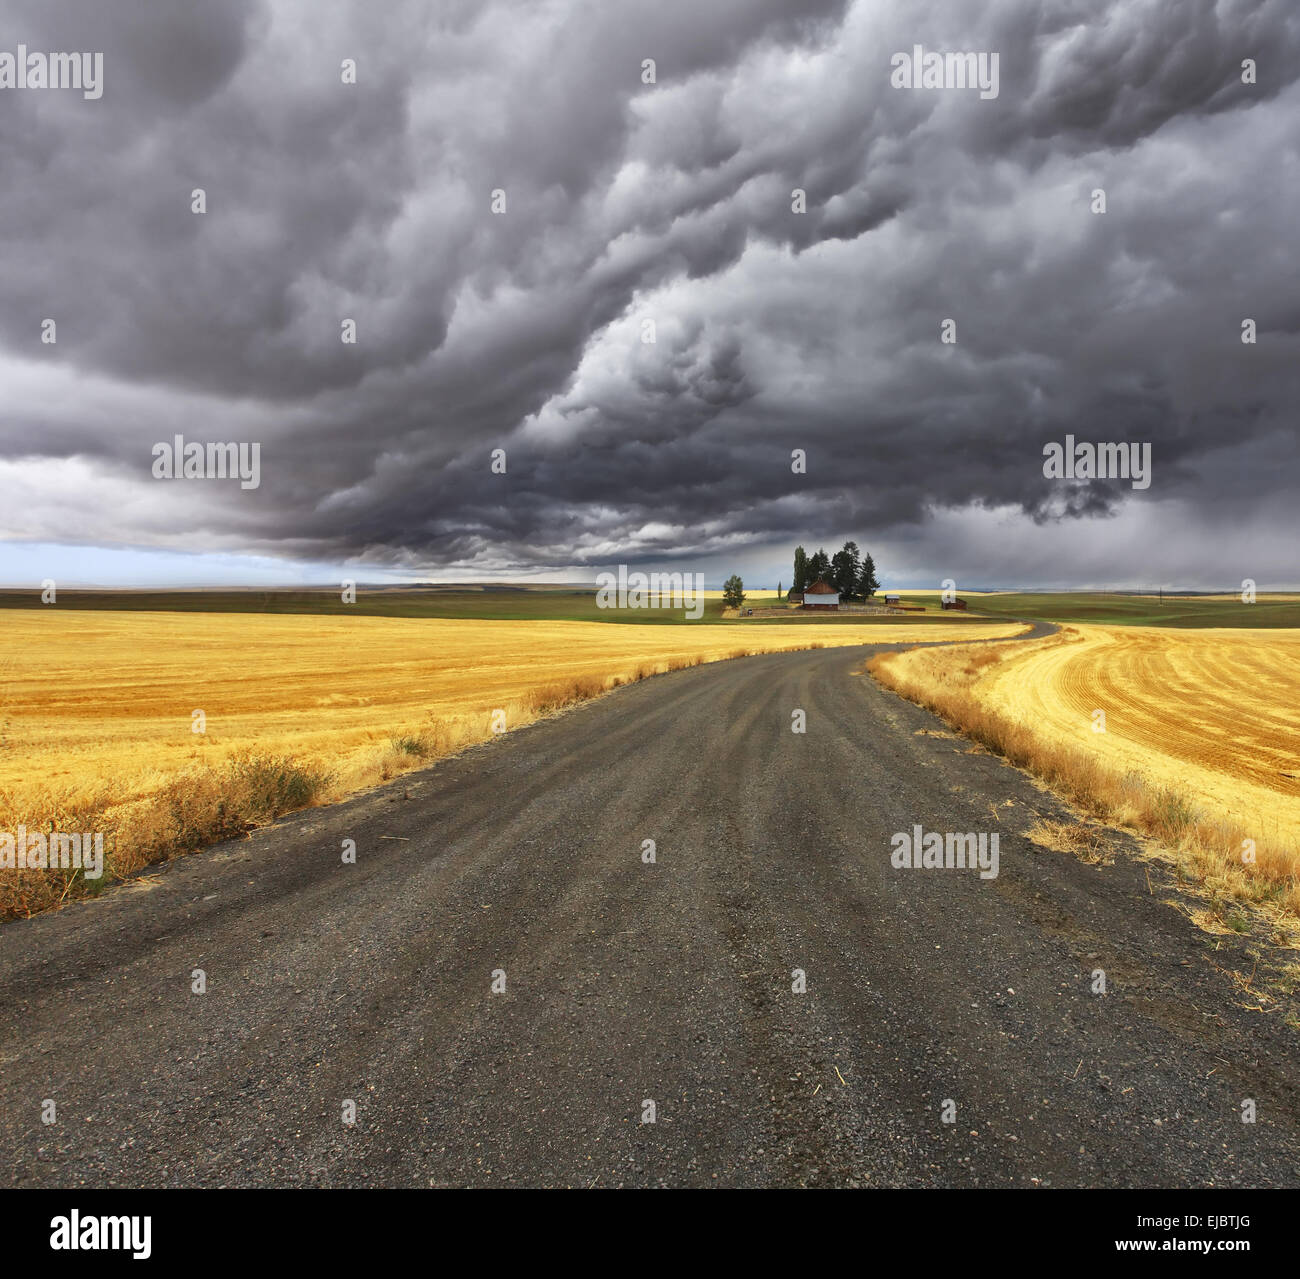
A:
(669, 202)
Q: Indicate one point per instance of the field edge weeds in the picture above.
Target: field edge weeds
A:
(204, 805)
(1200, 849)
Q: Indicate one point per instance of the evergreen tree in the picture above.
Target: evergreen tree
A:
(867, 583)
(819, 567)
(845, 570)
(800, 570)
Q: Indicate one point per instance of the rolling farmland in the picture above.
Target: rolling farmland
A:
(1273, 609)
(1216, 712)
(1190, 735)
(303, 709)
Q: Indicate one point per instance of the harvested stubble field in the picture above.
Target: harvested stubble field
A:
(1201, 747)
(96, 711)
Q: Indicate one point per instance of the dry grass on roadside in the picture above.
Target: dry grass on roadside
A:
(1079, 839)
(204, 803)
(96, 712)
(196, 808)
(557, 697)
(1205, 850)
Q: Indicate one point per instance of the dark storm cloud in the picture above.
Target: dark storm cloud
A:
(627, 203)
(164, 58)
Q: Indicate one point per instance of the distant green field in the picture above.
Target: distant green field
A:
(578, 605)
(1132, 610)
(491, 605)
(503, 605)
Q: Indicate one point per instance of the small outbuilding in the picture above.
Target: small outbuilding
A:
(892, 600)
(960, 604)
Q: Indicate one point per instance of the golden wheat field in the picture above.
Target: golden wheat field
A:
(1202, 733)
(98, 708)
(1214, 712)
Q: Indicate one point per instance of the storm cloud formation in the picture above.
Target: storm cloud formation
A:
(670, 202)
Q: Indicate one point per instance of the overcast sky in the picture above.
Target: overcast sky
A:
(671, 201)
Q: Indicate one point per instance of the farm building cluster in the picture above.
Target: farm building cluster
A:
(822, 595)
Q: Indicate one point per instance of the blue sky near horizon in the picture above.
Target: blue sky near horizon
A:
(25, 565)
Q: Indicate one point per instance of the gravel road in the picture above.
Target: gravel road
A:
(627, 981)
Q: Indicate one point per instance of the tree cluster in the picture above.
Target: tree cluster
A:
(849, 571)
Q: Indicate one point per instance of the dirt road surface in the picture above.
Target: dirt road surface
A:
(627, 981)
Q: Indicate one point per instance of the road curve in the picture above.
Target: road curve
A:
(627, 981)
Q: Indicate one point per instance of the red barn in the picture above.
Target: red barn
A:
(821, 595)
